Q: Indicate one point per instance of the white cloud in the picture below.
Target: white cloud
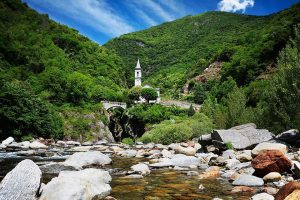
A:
(95, 14)
(235, 5)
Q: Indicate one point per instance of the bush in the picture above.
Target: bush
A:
(171, 131)
(128, 141)
(135, 93)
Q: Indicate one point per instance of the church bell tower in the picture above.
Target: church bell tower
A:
(138, 74)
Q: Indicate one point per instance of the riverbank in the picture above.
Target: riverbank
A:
(154, 171)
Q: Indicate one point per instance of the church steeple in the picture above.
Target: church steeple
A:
(138, 66)
(138, 74)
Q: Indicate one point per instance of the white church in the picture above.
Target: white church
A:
(138, 82)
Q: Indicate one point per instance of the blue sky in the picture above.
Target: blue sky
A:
(101, 20)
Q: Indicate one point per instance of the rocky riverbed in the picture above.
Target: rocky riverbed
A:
(261, 169)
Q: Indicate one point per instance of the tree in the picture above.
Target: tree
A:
(283, 95)
(78, 87)
(22, 113)
(149, 94)
(134, 93)
(191, 111)
(199, 94)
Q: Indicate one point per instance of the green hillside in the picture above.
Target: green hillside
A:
(44, 66)
(174, 52)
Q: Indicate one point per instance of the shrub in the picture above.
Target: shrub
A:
(128, 141)
(171, 131)
(135, 93)
(229, 145)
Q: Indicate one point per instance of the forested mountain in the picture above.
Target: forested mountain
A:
(174, 52)
(34, 48)
(46, 70)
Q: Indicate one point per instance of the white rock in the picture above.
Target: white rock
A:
(73, 143)
(265, 146)
(231, 163)
(22, 182)
(87, 184)
(81, 148)
(25, 144)
(166, 154)
(134, 176)
(248, 180)
(8, 141)
(82, 159)
(37, 145)
(262, 196)
(272, 177)
(141, 168)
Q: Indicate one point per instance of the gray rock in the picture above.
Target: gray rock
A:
(82, 159)
(248, 180)
(229, 154)
(184, 161)
(134, 176)
(262, 196)
(242, 137)
(85, 184)
(296, 169)
(164, 162)
(37, 145)
(8, 141)
(241, 166)
(130, 153)
(290, 136)
(56, 168)
(231, 163)
(73, 143)
(22, 182)
(192, 173)
(141, 168)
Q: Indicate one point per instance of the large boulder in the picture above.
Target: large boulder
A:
(87, 184)
(295, 195)
(265, 146)
(241, 137)
(22, 182)
(8, 141)
(82, 159)
(271, 161)
(286, 190)
(291, 136)
(248, 180)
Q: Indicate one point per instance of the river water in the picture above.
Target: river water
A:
(161, 184)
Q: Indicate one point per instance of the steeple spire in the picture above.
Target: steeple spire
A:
(138, 66)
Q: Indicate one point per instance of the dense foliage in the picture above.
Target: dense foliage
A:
(22, 112)
(174, 52)
(60, 66)
(272, 103)
(179, 130)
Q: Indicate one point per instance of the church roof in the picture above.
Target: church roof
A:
(138, 66)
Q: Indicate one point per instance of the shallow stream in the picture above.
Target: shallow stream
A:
(166, 184)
